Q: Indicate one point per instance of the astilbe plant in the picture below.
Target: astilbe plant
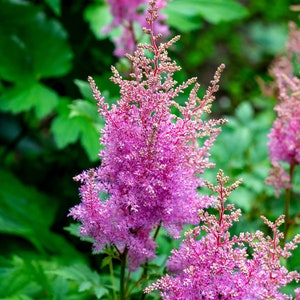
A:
(284, 138)
(125, 14)
(215, 265)
(152, 158)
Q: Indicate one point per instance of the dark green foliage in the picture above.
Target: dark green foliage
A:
(49, 128)
(189, 15)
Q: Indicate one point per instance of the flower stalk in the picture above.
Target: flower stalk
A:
(288, 195)
(123, 258)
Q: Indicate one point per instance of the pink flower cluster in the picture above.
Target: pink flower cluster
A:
(284, 138)
(127, 12)
(150, 166)
(218, 266)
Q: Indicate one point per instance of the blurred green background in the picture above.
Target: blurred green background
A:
(49, 126)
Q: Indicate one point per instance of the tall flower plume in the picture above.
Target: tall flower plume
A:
(218, 266)
(127, 12)
(284, 138)
(150, 165)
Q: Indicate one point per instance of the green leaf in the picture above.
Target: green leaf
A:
(23, 98)
(84, 89)
(85, 109)
(74, 230)
(77, 273)
(59, 288)
(29, 276)
(181, 16)
(181, 21)
(27, 213)
(55, 5)
(84, 286)
(253, 183)
(31, 47)
(269, 38)
(21, 208)
(78, 121)
(106, 261)
(14, 63)
(213, 11)
(100, 291)
(98, 16)
(90, 139)
(216, 11)
(243, 198)
(16, 279)
(244, 113)
(64, 129)
(84, 277)
(50, 50)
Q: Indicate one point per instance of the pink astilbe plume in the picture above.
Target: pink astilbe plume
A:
(218, 266)
(150, 166)
(284, 138)
(127, 12)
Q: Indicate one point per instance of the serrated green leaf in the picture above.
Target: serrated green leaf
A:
(12, 56)
(243, 198)
(253, 183)
(83, 108)
(98, 16)
(84, 277)
(78, 273)
(182, 22)
(59, 288)
(74, 230)
(34, 277)
(31, 48)
(84, 89)
(244, 113)
(79, 120)
(65, 129)
(216, 11)
(21, 208)
(100, 291)
(84, 286)
(213, 11)
(16, 280)
(55, 5)
(13, 60)
(50, 51)
(90, 140)
(73, 273)
(27, 213)
(24, 98)
(106, 261)
(269, 38)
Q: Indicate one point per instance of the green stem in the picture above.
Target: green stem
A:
(288, 193)
(145, 271)
(143, 276)
(112, 278)
(157, 231)
(123, 257)
(127, 283)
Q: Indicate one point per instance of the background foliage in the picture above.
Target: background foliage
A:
(49, 126)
